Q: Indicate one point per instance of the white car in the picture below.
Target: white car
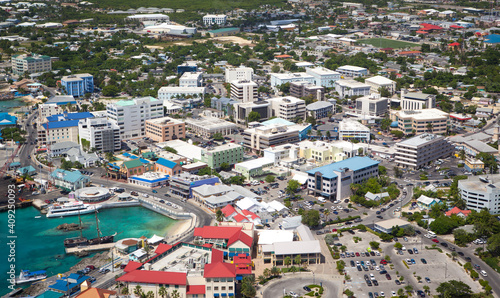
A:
(394, 294)
(377, 268)
(382, 294)
(483, 273)
(372, 277)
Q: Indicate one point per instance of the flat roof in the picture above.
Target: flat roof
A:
(354, 163)
(165, 121)
(296, 247)
(292, 75)
(477, 182)
(416, 95)
(351, 67)
(322, 71)
(210, 123)
(380, 80)
(352, 125)
(351, 84)
(420, 140)
(423, 114)
(481, 146)
(268, 237)
(224, 30)
(387, 224)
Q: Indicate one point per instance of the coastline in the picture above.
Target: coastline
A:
(179, 229)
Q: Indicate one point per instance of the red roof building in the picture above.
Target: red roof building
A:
(131, 266)
(240, 218)
(154, 277)
(233, 237)
(283, 57)
(228, 211)
(195, 290)
(430, 27)
(410, 53)
(456, 27)
(162, 247)
(457, 211)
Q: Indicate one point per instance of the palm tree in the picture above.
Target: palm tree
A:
(409, 289)
(275, 271)
(125, 291)
(429, 127)
(427, 289)
(287, 261)
(149, 294)
(294, 269)
(162, 291)
(419, 279)
(298, 260)
(454, 255)
(343, 248)
(401, 292)
(175, 294)
(461, 154)
(261, 279)
(267, 272)
(138, 291)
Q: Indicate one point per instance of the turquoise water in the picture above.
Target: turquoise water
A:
(7, 105)
(39, 245)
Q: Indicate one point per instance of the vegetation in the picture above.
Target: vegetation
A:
(311, 218)
(374, 185)
(270, 179)
(247, 287)
(170, 149)
(454, 289)
(387, 43)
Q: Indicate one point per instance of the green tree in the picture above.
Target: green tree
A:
(385, 237)
(382, 170)
(443, 225)
(138, 291)
(384, 92)
(275, 68)
(175, 294)
(162, 291)
(311, 218)
(218, 136)
(247, 287)
(298, 260)
(398, 245)
(207, 101)
(275, 271)
(374, 244)
(349, 293)
(225, 166)
(219, 215)
(494, 244)
(454, 289)
(292, 186)
(287, 261)
(270, 179)
(170, 149)
(253, 116)
(110, 91)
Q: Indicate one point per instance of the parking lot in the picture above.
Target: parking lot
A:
(438, 268)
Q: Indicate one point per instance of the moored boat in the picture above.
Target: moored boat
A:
(28, 276)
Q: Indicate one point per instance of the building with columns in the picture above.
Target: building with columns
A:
(411, 101)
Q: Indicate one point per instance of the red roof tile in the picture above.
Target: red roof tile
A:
(456, 27)
(283, 56)
(219, 270)
(409, 52)
(242, 259)
(217, 256)
(195, 289)
(131, 266)
(231, 234)
(228, 210)
(162, 247)
(244, 271)
(426, 26)
(239, 218)
(454, 44)
(456, 210)
(154, 277)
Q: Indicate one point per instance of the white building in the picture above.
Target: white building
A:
(131, 115)
(239, 74)
(481, 192)
(167, 93)
(323, 76)
(263, 137)
(288, 107)
(103, 135)
(351, 88)
(242, 110)
(191, 79)
(352, 71)
(372, 105)
(282, 78)
(207, 127)
(378, 82)
(352, 129)
(215, 19)
(152, 17)
(417, 101)
(320, 109)
(243, 91)
(166, 28)
(420, 150)
(48, 109)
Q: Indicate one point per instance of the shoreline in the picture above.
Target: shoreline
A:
(179, 229)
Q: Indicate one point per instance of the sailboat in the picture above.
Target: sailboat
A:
(83, 241)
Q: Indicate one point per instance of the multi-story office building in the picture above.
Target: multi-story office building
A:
(378, 82)
(352, 129)
(79, 84)
(420, 150)
(228, 153)
(263, 137)
(102, 134)
(372, 105)
(319, 109)
(30, 63)
(481, 192)
(191, 79)
(238, 74)
(323, 76)
(48, 109)
(429, 120)
(184, 183)
(242, 110)
(417, 101)
(214, 19)
(302, 89)
(288, 108)
(243, 91)
(167, 93)
(131, 115)
(333, 181)
(208, 126)
(165, 129)
(351, 88)
(352, 71)
(278, 79)
(60, 128)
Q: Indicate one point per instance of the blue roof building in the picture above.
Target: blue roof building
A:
(26, 170)
(7, 120)
(53, 131)
(68, 180)
(78, 85)
(492, 39)
(333, 181)
(70, 284)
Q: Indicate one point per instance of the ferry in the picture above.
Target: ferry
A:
(71, 209)
(28, 276)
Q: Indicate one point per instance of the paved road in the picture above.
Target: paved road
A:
(287, 284)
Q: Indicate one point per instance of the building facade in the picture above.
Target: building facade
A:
(278, 79)
(422, 121)
(352, 71)
(131, 115)
(191, 79)
(30, 63)
(302, 89)
(349, 88)
(320, 109)
(228, 153)
(241, 111)
(243, 91)
(263, 137)
(420, 150)
(238, 74)
(208, 126)
(323, 76)
(411, 101)
(333, 181)
(353, 130)
(167, 93)
(77, 85)
(102, 134)
(481, 192)
(165, 129)
(378, 82)
(372, 105)
(288, 108)
(214, 19)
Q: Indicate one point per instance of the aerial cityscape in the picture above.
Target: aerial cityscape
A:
(262, 148)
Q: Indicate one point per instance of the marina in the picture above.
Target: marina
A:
(93, 248)
(71, 208)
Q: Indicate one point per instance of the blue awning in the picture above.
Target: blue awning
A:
(239, 277)
(231, 294)
(224, 294)
(394, 124)
(216, 295)
(225, 253)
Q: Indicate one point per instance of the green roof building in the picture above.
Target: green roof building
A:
(31, 63)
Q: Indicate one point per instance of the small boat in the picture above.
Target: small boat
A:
(37, 216)
(28, 276)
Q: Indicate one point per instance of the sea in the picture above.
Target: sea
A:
(39, 245)
(7, 105)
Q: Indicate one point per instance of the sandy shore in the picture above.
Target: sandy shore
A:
(180, 228)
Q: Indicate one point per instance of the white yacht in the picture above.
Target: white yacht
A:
(71, 208)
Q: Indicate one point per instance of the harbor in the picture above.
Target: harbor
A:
(93, 248)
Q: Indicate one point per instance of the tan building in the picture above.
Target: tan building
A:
(421, 121)
(244, 91)
(421, 150)
(165, 129)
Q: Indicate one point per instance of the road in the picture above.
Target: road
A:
(295, 284)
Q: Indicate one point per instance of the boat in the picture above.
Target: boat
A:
(28, 276)
(71, 208)
(83, 241)
(37, 216)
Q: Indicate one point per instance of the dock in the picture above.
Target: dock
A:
(39, 204)
(98, 247)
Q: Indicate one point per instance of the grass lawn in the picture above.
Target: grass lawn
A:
(388, 43)
(212, 5)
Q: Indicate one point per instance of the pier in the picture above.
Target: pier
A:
(98, 247)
